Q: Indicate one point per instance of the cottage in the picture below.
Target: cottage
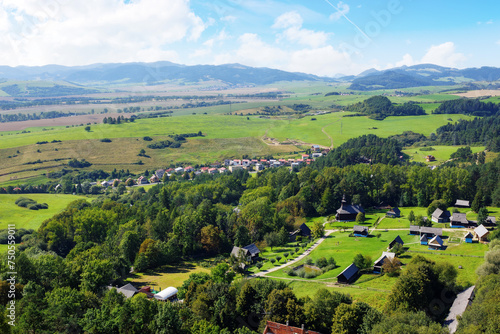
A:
(212, 171)
(377, 266)
(360, 231)
(259, 167)
(440, 216)
(481, 233)
(394, 213)
(160, 173)
(179, 170)
(491, 221)
(316, 154)
(424, 240)
(436, 243)
(396, 240)
(348, 212)
(349, 275)
(251, 252)
(468, 237)
(169, 294)
(222, 170)
(414, 230)
(458, 220)
(142, 180)
(189, 169)
(315, 148)
(277, 328)
(154, 179)
(106, 184)
(303, 231)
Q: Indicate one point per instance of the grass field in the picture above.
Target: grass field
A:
(167, 276)
(441, 153)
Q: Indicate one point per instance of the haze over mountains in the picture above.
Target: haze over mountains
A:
(236, 74)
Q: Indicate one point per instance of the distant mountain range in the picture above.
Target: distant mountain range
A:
(236, 74)
(420, 75)
(153, 73)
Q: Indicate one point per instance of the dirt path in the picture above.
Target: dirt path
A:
(300, 257)
(323, 130)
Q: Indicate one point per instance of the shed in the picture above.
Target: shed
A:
(468, 237)
(394, 213)
(169, 293)
(396, 240)
(431, 231)
(349, 274)
(458, 220)
(360, 231)
(424, 240)
(481, 233)
(414, 230)
(436, 243)
(377, 265)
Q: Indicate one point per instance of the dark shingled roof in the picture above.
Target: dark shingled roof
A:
(252, 249)
(438, 213)
(436, 241)
(469, 235)
(423, 237)
(458, 308)
(349, 209)
(305, 229)
(395, 211)
(396, 240)
(361, 229)
(459, 217)
(349, 272)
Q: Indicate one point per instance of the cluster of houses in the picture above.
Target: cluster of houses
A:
(229, 165)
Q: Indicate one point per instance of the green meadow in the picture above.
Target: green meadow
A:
(441, 153)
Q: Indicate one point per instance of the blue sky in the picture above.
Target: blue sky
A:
(323, 37)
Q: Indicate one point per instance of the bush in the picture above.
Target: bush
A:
(259, 265)
(309, 261)
(147, 138)
(297, 249)
(272, 260)
(321, 262)
(291, 272)
(106, 140)
(285, 254)
(278, 258)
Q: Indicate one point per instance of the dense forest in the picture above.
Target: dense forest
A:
(474, 107)
(380, 107)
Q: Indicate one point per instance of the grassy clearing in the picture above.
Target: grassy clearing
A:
(167, 276)
(441, 153)
(10, 213)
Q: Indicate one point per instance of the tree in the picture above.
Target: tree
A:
(482, 215)
(272, 239)
(392, 267)
(398, 249)
(87, 128)
(362, 261)
(167, 320)
(221, 273)
(142, 152)
(411, 217)
(319, 309)
(282, 306)
(348, 318)
(438, 203)
(129, 245)
(318, 230)
(211, 238)
(360, 217)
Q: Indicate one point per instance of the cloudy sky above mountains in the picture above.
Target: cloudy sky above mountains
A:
(322, 37)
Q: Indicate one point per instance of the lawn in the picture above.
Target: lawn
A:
(167, 276)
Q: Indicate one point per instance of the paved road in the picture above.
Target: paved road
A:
(300, 257)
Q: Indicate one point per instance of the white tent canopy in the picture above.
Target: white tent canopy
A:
(166, 293)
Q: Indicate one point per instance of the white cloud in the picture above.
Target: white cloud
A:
(228, 18)
(322, 61)
(293, 32)
(444, 55)
(406, 61)
(342, 9)
(87, 31)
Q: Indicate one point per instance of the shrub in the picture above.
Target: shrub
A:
(147, 138)
(259, 265)
(290, 272)
(321, 262)
(309, 261)
(106, 140)
(278, 258)
(297, 249)
(285, 254)
(272, 260)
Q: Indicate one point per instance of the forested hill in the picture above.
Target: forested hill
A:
(479, 131)
(379, 107)
(473, 107)
(368, 149)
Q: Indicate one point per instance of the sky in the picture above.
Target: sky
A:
(321, 37)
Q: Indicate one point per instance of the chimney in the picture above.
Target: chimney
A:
(287, 322)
